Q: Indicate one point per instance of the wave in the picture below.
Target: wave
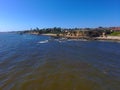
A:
(45, 41)
(77, 40)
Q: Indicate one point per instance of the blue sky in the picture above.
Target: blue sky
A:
(26, 14)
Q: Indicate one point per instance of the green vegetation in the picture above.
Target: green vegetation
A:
(90, 32)
(55, 30)
(115, 34)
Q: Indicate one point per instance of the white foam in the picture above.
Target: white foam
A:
(45, 41)
(77, 40)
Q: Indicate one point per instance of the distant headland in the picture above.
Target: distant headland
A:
(100, 33)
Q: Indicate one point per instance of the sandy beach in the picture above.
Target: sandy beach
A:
(109, 38)
(50, 34)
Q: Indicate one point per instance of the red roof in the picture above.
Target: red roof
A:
(116, 28)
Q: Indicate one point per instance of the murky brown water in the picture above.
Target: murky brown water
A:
(27, 64)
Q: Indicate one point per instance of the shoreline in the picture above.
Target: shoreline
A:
(116, 38)
(50, 34)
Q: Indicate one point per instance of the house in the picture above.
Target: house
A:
(115, 29)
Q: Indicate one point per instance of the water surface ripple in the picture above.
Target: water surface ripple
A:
(29, 62)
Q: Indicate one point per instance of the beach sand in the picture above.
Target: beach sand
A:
(109, 38)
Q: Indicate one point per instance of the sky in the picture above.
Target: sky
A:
(25, 14)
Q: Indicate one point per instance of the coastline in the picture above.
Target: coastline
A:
(109, 38)
(50, 34)
(116, 38)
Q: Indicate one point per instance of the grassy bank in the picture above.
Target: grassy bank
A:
(115, 34)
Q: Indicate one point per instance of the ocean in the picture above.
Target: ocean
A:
(36, 62)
